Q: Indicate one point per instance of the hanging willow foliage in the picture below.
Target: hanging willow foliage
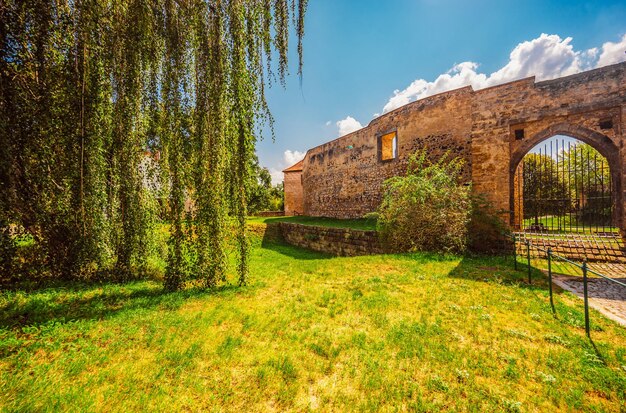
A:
(92, 91)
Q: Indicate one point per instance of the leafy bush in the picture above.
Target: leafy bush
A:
(426, 210)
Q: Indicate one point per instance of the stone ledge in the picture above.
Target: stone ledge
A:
(344, 242)
(270, 214)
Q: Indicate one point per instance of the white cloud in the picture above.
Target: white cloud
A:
(545, 57)
(277, 175)
(292, 157)
(613, 52)
(289, 158)
(348, 125)
(460, 75)
(328, 123)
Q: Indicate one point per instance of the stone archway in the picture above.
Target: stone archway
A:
(603, 144)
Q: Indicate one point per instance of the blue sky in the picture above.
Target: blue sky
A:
(357, 53)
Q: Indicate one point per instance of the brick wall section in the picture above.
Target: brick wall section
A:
(342, 178)
(334, 241)
(293, 193)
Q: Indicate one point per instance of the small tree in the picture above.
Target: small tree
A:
(277, 197)
(426, 210)
(259, 188)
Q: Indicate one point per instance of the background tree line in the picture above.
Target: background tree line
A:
(263, 196)
(90, 88)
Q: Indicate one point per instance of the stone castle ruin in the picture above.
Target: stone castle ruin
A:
(491, 129)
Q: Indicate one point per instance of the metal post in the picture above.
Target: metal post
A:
(586, 296)
(550, 278)
(514, 252)
(528, 256)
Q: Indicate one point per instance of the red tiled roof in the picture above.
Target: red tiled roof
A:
(295, 168)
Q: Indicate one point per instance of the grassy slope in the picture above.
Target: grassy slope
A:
(400, 332)
(361, 223)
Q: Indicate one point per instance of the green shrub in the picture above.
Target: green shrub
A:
(426, 210)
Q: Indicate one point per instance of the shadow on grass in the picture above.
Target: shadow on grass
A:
(94, 302)
(476, 268)
(503, 269)
(274, 241)
(45, 302)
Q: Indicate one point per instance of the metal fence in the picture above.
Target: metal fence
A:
(530, 250)
(564, 186)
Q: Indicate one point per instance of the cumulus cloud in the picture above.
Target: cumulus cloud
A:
(348, 125)
(292, 157)
(277, 175)
(545, 57)
(613, 52)
(289, 158)
(462, 74)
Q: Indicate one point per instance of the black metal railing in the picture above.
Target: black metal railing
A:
(531, 250)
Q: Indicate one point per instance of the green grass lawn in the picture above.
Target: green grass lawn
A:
(360, 223)
(414, 332)
(566, 224)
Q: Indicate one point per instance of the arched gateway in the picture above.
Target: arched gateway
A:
(491, 129)
(575, 178)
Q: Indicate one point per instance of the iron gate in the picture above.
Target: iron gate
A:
(564, 186)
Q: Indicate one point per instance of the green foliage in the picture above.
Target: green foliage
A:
(586, 168)
(277, 197)
(259, 189)
(426, 210)
(89, 89)
(262, 196)
(545, 191)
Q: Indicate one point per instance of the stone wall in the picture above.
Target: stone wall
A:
(270, 214)
(574, 106)
(491, 129)
(343, 178)
(293, 193)
(335, 241)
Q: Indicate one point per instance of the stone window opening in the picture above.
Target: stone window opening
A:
(606, 124)
(388, 146)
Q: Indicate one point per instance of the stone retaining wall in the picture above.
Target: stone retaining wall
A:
(335, 241)
(270, 214)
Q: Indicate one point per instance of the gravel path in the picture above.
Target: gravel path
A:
(605, 296)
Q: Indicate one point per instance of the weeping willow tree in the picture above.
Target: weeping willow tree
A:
(90, 89)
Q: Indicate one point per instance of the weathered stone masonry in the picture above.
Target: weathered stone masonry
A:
(336, 241)
(491, 129)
